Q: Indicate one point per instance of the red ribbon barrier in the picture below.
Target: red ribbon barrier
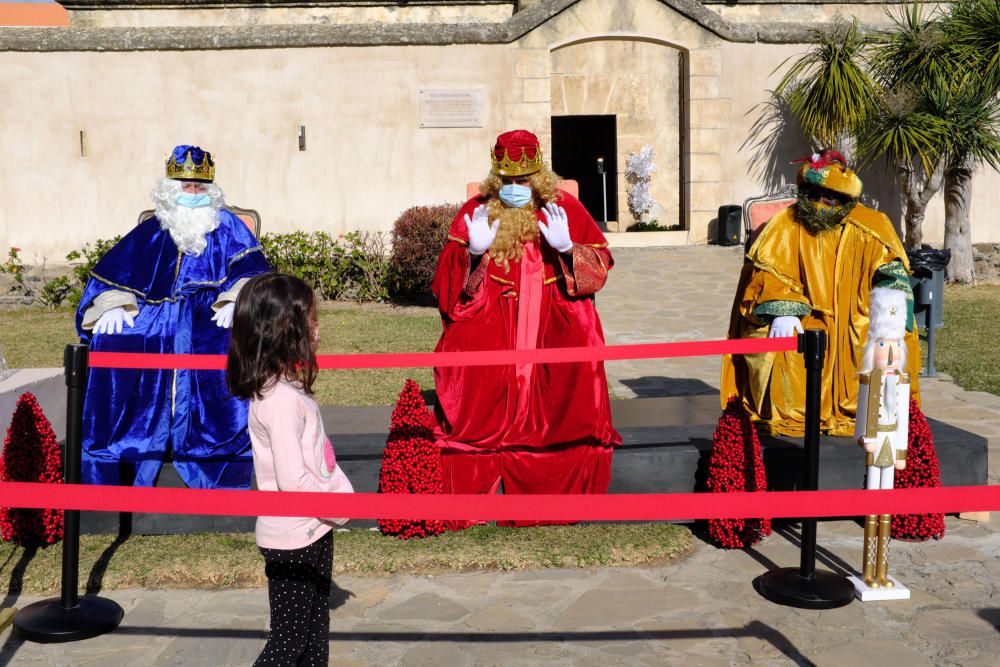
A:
(610, 507)
(550, 355)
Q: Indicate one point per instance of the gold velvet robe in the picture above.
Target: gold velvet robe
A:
(831, 273)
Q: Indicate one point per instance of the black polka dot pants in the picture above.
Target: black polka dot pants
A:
(298, 589)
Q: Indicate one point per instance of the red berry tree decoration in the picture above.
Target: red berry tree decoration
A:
(736, 466)
(30, 454)
(411, 462)
(921, 471)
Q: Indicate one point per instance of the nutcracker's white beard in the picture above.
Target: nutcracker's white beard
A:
(188, 227)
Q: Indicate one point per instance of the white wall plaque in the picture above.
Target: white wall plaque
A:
(451, 107)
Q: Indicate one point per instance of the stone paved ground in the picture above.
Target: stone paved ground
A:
(700, 611)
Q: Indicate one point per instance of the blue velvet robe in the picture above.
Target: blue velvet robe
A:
(131, 416)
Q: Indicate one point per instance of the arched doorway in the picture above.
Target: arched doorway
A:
(625, 92)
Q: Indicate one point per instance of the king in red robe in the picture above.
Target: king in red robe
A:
(520, 269)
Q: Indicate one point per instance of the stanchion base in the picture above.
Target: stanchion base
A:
(47, 622)
(825, 590)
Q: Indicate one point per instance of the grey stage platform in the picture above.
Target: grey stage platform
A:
(667, 443)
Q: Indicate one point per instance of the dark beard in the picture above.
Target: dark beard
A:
(817, 219)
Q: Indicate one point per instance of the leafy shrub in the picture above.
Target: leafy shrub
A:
(66, 288)
(352, 266)
(653, 226)
(418, 237)
(90, 256)
(41, 290)
(315, 257)
(370, 267)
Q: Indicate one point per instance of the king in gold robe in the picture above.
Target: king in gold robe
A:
(817, 261)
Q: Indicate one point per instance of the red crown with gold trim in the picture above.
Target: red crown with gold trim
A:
(516, 153)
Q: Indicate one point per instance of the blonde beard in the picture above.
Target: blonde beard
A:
(517, 227)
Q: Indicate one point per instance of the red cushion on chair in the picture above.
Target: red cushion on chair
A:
(760, 212)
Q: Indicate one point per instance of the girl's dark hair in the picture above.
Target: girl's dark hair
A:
(272, 335)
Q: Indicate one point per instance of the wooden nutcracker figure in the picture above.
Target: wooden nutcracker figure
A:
(882, 429)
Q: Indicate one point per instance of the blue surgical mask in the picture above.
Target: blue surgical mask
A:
(193, 201)
(515, 195)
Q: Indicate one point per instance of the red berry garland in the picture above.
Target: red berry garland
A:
(30, 454)
(411, 462)
(736, 466)
(921, 471)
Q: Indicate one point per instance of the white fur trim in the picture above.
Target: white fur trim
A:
(229, 295)
(104, 302)
(888, 314)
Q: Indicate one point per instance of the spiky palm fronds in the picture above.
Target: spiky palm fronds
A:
(828, 88)
(974, 115)
(903, 130)
(973, 29)
(915, 50)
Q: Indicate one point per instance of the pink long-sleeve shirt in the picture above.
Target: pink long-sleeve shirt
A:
(292, 453)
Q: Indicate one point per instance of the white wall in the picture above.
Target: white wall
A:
(366, 159)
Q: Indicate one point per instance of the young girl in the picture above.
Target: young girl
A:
(272, 362)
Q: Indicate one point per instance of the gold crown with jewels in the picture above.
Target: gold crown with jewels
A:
(189, 170)
(506, 166)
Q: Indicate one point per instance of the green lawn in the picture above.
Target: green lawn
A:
(964, 345)
(369, 329)
(35, 338)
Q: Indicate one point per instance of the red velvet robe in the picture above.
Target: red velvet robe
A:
(542, 428)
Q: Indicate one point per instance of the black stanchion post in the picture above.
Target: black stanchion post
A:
(930, 371)
(76, 384)
(805, 587)
(70, 618)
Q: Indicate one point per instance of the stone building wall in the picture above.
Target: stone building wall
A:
(685, 76)
(151, 15)
(366, 159)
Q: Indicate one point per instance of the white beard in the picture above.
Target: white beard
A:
(188, 227)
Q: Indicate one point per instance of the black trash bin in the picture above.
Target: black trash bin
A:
(927, 265)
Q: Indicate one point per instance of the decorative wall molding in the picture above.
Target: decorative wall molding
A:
(304, 36)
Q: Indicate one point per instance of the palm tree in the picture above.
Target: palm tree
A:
(869, 92)
(912, 64)
(973, 30)
(922, 96)
(828, 89)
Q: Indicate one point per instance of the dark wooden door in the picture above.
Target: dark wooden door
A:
(577, 143)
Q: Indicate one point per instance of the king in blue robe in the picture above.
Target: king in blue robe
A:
(172, 293)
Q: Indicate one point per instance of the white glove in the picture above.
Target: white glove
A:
(785, 326)
(113, 321)
(224, 316)
(556, 232)
(481, 232)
